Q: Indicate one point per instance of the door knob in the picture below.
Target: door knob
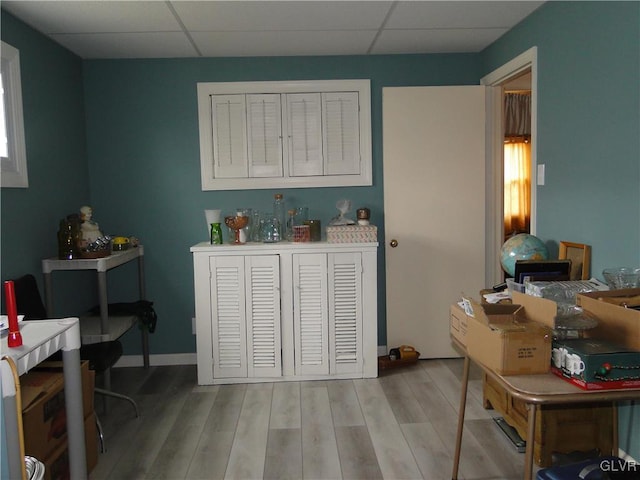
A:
(393, 243)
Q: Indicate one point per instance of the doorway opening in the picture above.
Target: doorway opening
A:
(517, 155)
(519, 75)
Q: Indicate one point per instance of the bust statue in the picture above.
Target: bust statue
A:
(89, 228)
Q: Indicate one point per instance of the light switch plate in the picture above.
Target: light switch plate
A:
(540, 177)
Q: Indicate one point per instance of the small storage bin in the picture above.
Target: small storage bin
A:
(600, 468)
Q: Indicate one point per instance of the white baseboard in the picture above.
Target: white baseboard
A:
(157, 360)
(627, 458)
(179, 359)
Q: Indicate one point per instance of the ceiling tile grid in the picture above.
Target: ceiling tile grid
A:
(212, 28)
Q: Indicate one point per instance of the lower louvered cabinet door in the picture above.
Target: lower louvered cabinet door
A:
(328, 313)
(227, 277)
(262, 274)
(345, 312)
(310, 316)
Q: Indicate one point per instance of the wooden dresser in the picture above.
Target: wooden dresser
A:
(559, 428)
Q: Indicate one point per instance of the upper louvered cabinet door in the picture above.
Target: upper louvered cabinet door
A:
(310, 314)
(298, 134)
(263, 316)
(345, 312)
(304, 126)
(229, 320)
(229, 136)
(341, 133)
(264, 133)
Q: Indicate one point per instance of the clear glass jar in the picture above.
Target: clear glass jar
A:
(280, 213)
(271, 230)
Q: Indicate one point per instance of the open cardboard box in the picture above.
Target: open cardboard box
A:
(537, 309)
(616, 323)
(504, 339)
(458, 323)
(44, 416)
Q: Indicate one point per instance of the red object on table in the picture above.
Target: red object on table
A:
(15, 338)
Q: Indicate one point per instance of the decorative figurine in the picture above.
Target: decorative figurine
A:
(89, 228)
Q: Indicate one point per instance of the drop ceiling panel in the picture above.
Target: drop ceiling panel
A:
(288, 15)
(156, 29)
(454, 14)
(435, 41)
(94, 16)
(242, 44)
(128, 45)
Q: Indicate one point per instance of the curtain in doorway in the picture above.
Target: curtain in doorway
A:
(517, 114)
(517, 163)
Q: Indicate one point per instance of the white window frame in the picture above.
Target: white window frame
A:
(13, 168)
(207, 89)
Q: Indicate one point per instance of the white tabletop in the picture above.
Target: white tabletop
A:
(40, 340)
(100, 264)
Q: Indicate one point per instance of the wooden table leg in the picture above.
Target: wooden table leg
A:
(614, 421)
(531, 430)
(463, 404)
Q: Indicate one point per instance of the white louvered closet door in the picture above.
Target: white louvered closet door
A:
(345, 312)
(229, 327)
(304, 124)
(264, 131)
(229, 125)
(263, 316)
(310, 314)
(341, 133)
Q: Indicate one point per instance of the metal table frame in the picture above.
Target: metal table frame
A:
(534, 390)
(101, 266)
(41, 339)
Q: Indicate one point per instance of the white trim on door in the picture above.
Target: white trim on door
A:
(516, 66)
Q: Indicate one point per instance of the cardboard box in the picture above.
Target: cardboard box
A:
(616, 323)
(44, 417)
(594, 364)
(502, 338)
(57, 463)
(352, 234)
(537, 309)
(458, 323)
(88, 378)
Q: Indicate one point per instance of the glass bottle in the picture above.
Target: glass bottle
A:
(279, 213)
(291, 221)
(67, 249)
(216, 234)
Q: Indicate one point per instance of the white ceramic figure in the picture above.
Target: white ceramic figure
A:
(89, 228)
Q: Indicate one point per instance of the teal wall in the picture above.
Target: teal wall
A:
(55, 137)
(588, 123)
(130, 148)
(588, 134)
(144, 159)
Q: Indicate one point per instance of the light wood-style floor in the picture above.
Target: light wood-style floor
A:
(401, 425)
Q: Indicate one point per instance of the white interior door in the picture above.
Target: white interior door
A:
(434, 205)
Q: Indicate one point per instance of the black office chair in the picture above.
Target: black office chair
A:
(101, 356)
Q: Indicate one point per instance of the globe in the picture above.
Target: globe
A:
(522, 246)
